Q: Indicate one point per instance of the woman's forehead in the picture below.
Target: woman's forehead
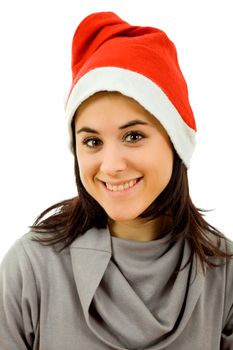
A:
(111, 103)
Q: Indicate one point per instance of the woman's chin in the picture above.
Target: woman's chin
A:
(122, 216)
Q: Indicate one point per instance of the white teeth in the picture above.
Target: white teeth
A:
(121, 187)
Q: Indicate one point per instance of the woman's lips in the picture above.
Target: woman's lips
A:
(118, 190)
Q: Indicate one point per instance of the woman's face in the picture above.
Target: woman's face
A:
(124, 154)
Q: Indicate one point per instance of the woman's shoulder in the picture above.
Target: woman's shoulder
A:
(221, 241)
(224, 244)
(223, 270)
(29, 263)
(18, 250)
(28, 253)
(228, 245)
(26, 243)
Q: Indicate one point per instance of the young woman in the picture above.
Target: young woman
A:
(130, 263)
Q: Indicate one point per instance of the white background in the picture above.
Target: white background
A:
(35, 52)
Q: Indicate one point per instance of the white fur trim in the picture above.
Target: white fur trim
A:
(144, 91)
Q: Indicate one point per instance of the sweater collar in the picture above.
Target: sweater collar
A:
(95, 275)
(90, 255)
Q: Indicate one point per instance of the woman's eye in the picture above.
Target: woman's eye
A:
(91, 142)
(133, 136)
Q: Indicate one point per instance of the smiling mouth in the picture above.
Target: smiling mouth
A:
(122, 187)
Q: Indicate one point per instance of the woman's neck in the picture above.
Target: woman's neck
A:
(137, 229)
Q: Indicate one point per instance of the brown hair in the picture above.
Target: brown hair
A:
(73, 217)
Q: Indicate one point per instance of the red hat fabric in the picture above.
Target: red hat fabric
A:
(109, 54)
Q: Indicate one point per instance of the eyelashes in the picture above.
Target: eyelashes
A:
(130, 137)
(134, 136)
(91, 142)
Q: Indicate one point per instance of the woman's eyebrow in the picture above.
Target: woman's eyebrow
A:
(127, 125)
(86, 129)
(132, 123)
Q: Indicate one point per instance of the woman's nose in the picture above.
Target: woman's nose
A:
(112, 160)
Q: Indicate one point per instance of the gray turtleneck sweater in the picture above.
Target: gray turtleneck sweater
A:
(104, 292)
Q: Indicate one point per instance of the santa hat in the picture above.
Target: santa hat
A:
(109, 54)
